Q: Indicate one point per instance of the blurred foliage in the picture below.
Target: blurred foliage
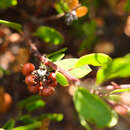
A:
(12, 25)
(127, 6)
(25, 102)
(89, 30)
(7, 3)
(30, 104)
(9, 125)
(3, 72)
(61, 6)
(48, 34)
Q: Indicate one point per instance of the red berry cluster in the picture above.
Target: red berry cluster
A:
(39, 81)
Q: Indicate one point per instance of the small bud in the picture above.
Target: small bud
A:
(52, 80)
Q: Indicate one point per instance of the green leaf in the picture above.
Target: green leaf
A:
(53, 116)
(118, 68)
(32, 126)
(61, 79)
(27, 119)
(95, 59)
(3, 71)
(57, 52)
(81, 71)
(120, 90)
(113, 97)
(30, 99)
(127, 56)
(114, 120)
(49, 34)
(89, 30)
(12, 25)
(35, 105)
(76, 72)
(9, 125)
(92, 108)
(84, 123)
(7, 3)
(57, 57)
(67, 63)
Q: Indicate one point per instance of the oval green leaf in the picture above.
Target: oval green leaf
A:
(95, 59)
(118, 68)
(68, 64)
(92, 108)
(80, 71)
(49, 34)
(57, 57)
(57, 52)
(61, 79)
(12, 25)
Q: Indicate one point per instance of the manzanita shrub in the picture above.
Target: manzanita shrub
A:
(94, 105)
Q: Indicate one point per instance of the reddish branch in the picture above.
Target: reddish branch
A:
(71, 79)
(116, 86)
(105, 91)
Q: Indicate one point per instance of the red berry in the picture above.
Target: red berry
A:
(52, 76)
(47, 91)
(33, 89)
(52, 80)
(30, 79)
(52, 84)
(28, 68)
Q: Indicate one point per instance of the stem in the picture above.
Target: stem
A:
(71, 79)
(108, 89)
(32, 126)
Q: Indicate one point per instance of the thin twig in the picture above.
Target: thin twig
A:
(43, 59)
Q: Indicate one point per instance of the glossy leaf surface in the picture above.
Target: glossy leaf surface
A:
(95, 59)
(92, 108)
(118, 68)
